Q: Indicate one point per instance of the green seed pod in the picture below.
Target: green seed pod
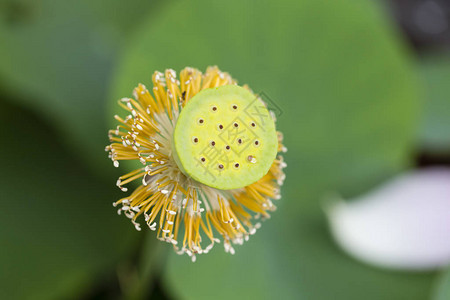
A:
(225, 138)
(221, 136)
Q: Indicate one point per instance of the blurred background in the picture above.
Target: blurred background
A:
(363, 88)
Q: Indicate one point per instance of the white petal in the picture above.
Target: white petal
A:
(404, 224)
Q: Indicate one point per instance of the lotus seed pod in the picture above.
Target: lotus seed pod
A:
(225, 138)
(207, 150)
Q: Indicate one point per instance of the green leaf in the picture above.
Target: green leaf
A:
(57, 225)
(435, 132)
(217, 275)
(56, 58)
(350, 106)
(442, 290)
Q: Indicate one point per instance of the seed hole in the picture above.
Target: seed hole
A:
(203, 159)
(195, 140)
(213, 143)
(251, 159)
(239, 141)
(235, 124)
(234, 107)
(220, 166)
(236, 165)
(256, 143)
(201, 121)
(253, 124)
(214, 108)
(227, 147)
(220, 126)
